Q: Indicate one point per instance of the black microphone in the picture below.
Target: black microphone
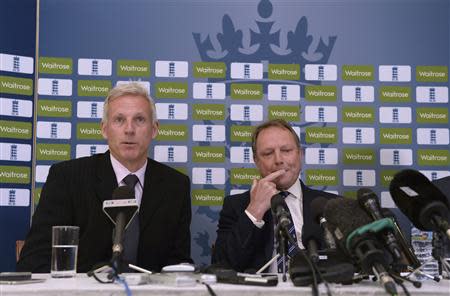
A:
(353, 229)
(421, 201)
(368, 200)
(317, 208)
(311, 240)
(120, 210)
(280, 211)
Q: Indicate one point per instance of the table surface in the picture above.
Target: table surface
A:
(166, 285)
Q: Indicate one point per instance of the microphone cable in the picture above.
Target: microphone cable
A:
(313, 266)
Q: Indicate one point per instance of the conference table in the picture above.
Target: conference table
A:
(168, 285)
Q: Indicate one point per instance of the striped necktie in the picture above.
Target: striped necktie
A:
(292, 249)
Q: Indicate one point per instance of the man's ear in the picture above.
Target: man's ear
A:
(155, 129)
(104, 130)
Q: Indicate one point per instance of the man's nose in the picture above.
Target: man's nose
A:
(129, 126)
(278, 157)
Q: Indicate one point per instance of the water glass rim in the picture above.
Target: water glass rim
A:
(65, 227)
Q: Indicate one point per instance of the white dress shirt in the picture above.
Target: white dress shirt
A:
(121, 172)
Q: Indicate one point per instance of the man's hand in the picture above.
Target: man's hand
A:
(261, 194)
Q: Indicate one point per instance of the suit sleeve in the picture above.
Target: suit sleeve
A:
(237, 237)
(181, 251)
(54, 208)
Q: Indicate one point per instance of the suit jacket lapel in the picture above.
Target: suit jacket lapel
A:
(270, 244)
(152, 195)
(106, 178)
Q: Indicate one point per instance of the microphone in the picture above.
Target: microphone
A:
(369, 202)
(317, 207)
(120, 210)
(311, 240)
(356, 233)
(280, 211)
(421, 201)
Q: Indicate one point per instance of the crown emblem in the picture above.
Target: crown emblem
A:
(264, 44)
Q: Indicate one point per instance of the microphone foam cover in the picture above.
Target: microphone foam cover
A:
(345, 215)
(317, 208)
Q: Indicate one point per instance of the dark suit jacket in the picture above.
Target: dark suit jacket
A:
(243, 246)
(74, 195)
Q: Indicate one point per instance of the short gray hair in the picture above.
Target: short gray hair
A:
(128, 89)
(280, 123)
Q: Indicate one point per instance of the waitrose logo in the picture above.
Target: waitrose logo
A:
(15, 129)
(395, 136)
(207, 197)
(208, 154)
(359, 156)
(57, 152)
(243, 176)
(241, 133)
(433, 157)
(321, 177)
(14, 174)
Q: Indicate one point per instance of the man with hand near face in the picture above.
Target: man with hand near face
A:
(74, 192)
(245, 235)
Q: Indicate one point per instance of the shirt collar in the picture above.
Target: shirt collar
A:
(121, 171)
(295, 190)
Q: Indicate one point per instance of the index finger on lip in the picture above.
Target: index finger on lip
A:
(274, 175)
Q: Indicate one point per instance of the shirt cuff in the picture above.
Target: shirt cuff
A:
(257, 223)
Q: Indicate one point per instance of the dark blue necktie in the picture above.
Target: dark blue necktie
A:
(291, 248)
(131, 236)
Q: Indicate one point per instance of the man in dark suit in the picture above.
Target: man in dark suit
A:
(245, 235)
(75, 190)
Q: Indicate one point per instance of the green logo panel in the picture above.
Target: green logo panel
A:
(358, 72)
(321, 135)
(208, 154)
(358, 114)
(321, 93)
(14, 174)
(288, 113)
(395, 94)
(207, 197)
(37, 196)
(54, 108)
(57, 152)
(15, 85)
(209, 70)
(321, 177)
(171, 90)
(432, 73)
(395, 136)
(50, 65)
(284, 71)
(89, 131)
(350, 194)
(172, 132)
(386, 177)
(241, 133)
(433, 157)
(353, 156)
(243, 176)
(432, 115)
(15, 129)
(182, 170)
(139, 68)
(208, 112)
(247, 91)
(93, 88)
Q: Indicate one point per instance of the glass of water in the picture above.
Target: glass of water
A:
(64, 251)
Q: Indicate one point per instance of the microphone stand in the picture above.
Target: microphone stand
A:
(282, 247)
